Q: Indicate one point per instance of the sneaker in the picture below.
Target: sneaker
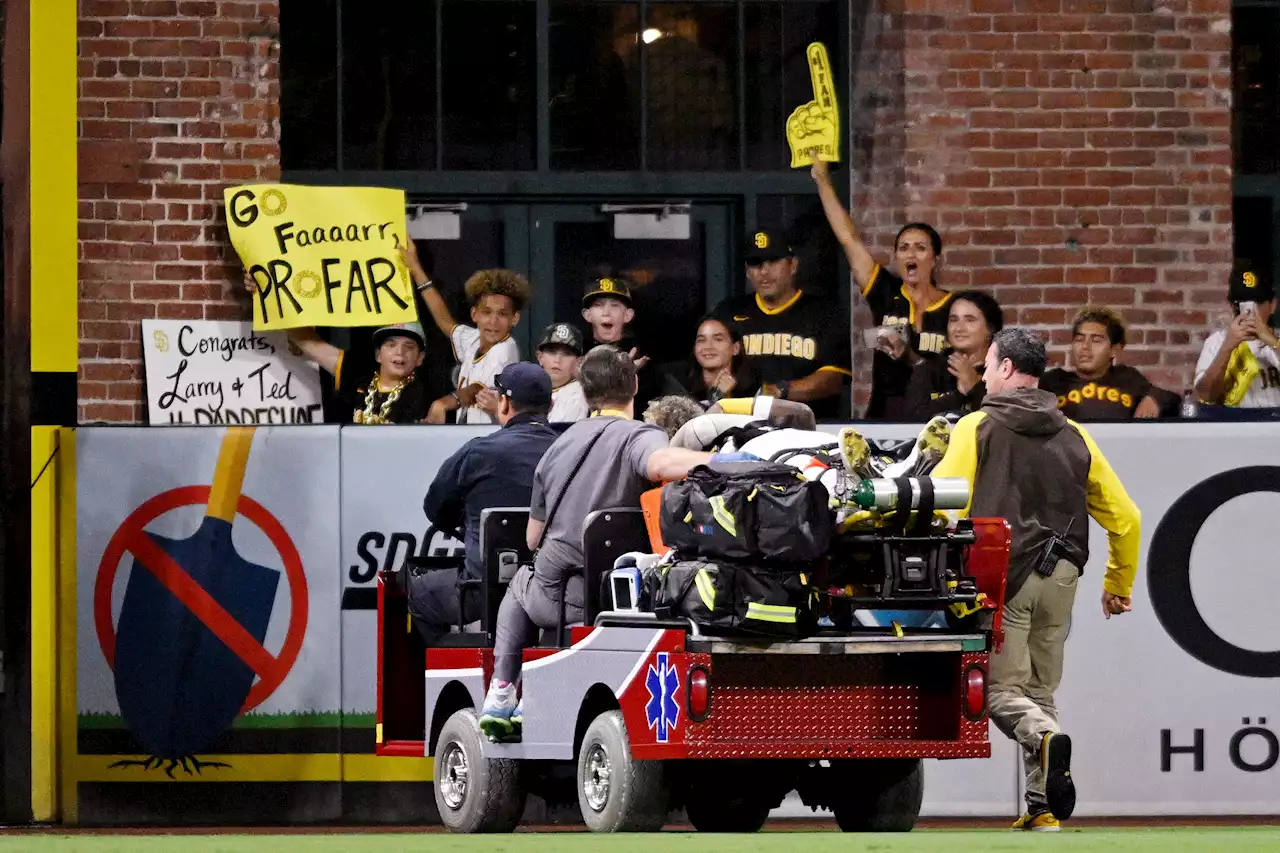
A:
(932, 445)
(1042, 822)
(1055, 761)
(499, 706)
(856, 454)
(517, 716)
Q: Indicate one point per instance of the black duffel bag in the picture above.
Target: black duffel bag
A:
(722, 597)
(753, 511)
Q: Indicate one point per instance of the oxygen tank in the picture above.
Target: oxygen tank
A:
(882, 493)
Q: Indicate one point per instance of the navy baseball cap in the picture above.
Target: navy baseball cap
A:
(525, 383)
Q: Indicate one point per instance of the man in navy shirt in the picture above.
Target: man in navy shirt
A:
(490, 471)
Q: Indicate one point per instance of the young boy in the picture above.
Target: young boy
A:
(496, 297)
(393, 394)
(608, 309)
(558, 355)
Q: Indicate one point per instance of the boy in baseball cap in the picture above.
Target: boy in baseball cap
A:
(394, 394)
(608, 308)
(558, 354)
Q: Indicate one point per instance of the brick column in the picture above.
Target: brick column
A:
(177, 100)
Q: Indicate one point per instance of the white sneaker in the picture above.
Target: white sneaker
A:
(499, 706)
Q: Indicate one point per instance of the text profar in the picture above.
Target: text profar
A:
(366, 283)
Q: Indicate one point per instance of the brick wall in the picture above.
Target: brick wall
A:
(1069, 150)
(178, 98)
(1073, 151)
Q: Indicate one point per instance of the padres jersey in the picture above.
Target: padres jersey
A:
(794, 340)
(1264, 393)
(352, 380)
(479, 368)
(1114, 396)
(886, 294)
(568, 403)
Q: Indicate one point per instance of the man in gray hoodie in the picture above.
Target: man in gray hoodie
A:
(1028, 463)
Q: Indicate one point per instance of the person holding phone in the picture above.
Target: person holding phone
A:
(1239, 366)
(910, 311)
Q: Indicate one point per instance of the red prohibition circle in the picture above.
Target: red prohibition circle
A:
(164, 502)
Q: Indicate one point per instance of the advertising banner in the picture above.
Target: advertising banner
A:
(207, 589)
(385, 472)
(226, 625)
(223, 372)
(1174, 708)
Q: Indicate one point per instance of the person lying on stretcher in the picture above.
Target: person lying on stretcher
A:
(770, 429)
(784, 431)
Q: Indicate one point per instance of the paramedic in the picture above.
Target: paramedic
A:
(1027, 462)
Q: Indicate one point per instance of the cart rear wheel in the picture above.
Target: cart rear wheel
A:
(474, 793)
(879, 795)
(616, 792)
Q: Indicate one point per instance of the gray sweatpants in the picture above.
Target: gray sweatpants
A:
(531, 603)
(1028, 668)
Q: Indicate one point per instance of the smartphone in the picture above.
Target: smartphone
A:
(1248, 308)
(874, 336)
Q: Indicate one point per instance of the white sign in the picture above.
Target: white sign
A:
(223, 372)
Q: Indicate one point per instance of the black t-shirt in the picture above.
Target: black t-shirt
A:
(886, 294)
(352, 387)
(933, 390)
(1112, 397)
(803, 336)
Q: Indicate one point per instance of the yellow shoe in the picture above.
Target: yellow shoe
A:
(1043, 822)
(856, 454)
(932, 445)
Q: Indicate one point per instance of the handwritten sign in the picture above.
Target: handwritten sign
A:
(817, 123)
(322, 256)
(216, 372)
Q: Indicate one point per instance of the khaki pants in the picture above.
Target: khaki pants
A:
(1028, 667)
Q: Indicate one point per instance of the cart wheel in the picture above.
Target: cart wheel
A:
(474, 793)
(616, 792)
(880, 795)
(726, 813)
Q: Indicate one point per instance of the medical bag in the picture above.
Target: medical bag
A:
(726, 597)
(750, 511)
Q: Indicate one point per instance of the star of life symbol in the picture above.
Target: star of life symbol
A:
(662, 711)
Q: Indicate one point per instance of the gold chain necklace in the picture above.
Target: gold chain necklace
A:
(368, 416)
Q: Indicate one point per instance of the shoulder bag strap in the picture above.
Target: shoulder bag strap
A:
(577, 466)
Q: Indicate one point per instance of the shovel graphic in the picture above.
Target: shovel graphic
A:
(178, 683)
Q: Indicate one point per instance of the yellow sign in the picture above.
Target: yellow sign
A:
(322, 256)
(817, 123)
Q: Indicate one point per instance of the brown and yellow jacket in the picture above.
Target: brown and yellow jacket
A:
(1028, 463)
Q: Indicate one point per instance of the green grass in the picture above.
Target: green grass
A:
(305, 720)
(1162, 840)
